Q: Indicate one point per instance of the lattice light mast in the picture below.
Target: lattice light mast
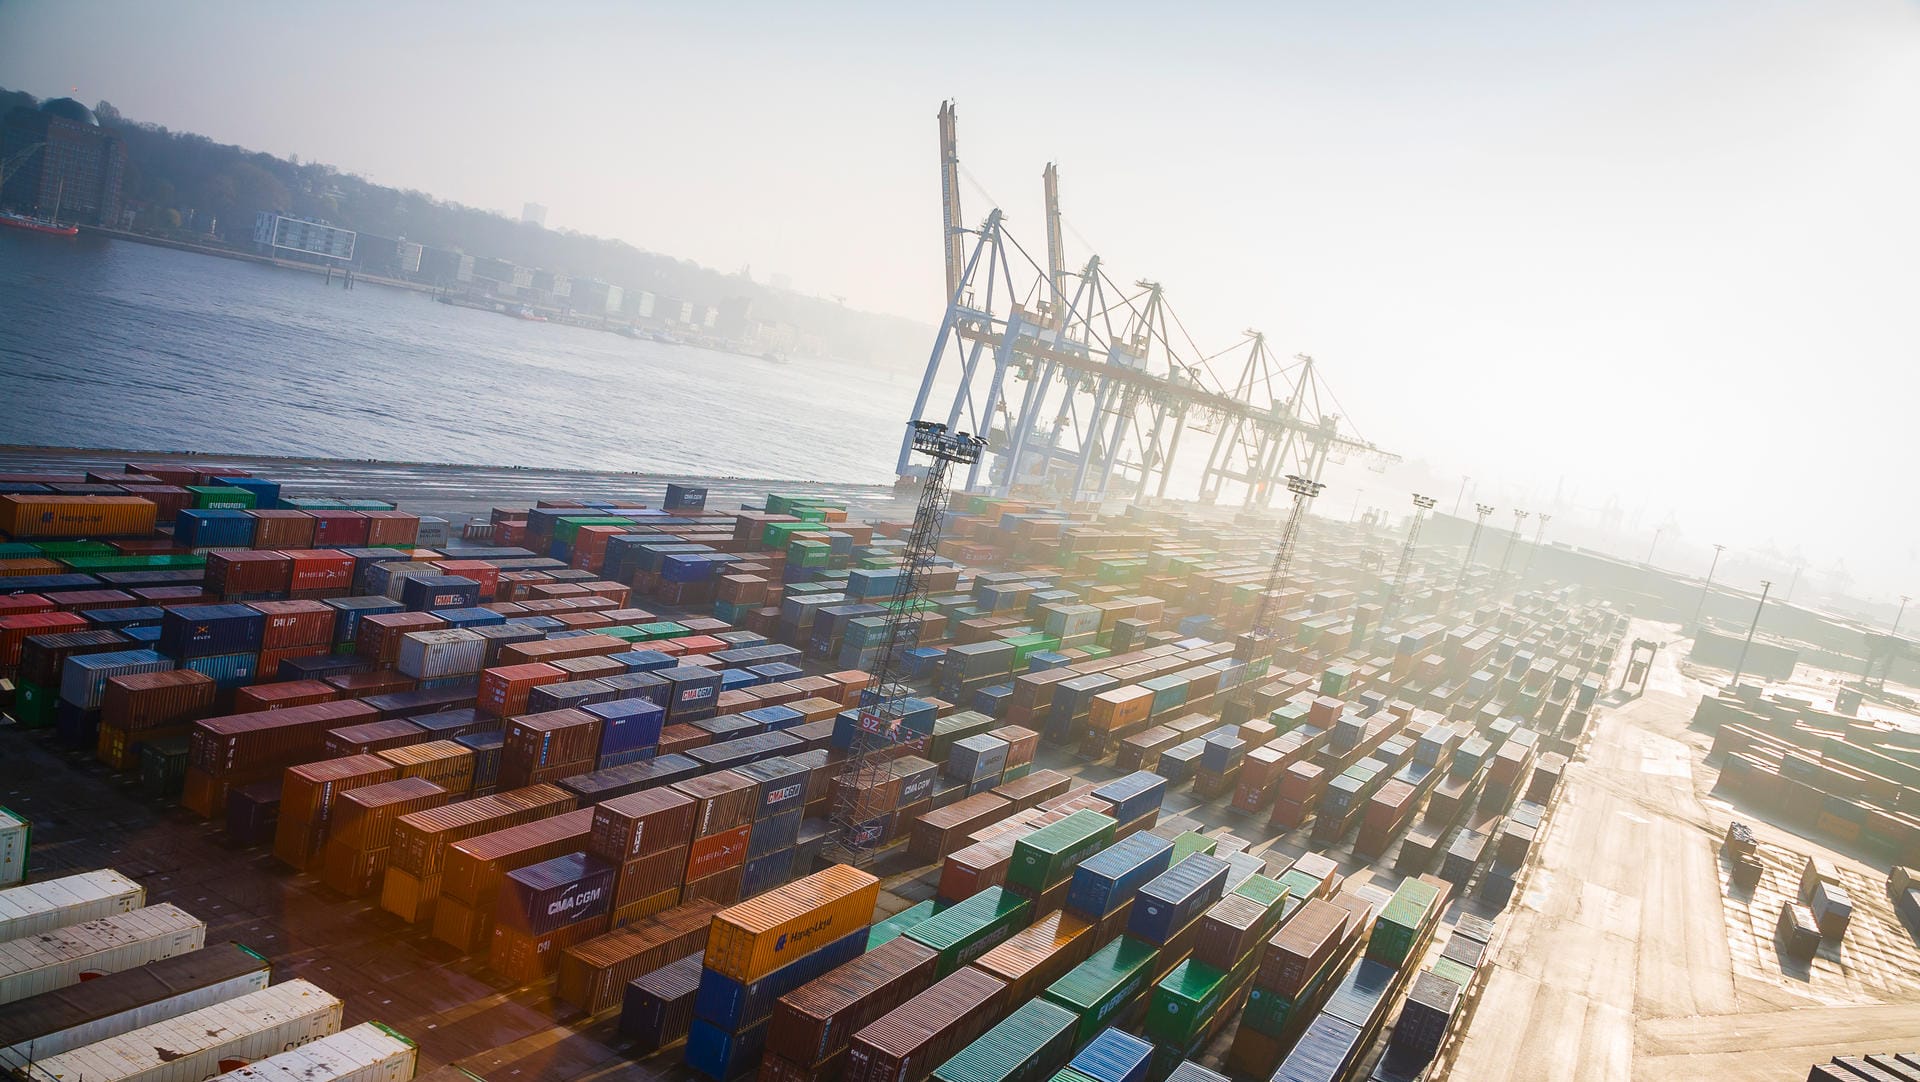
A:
(1473, 543)
(883, 707)
(1256, 647)
(1539, 535)
(1506, 554)
(1421, 505)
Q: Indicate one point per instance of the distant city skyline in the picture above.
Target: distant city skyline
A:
(1658, 250)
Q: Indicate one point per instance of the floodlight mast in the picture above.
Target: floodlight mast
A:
(880, 734)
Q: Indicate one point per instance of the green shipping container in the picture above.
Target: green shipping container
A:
(60, 550)
(173, 561)
(1267, 1011)
(33, 704)
(1272, 895)
(1032, 1043)
(1068, 1074)
(1457, 972)
(1401, 921)
(1191, 842)
(567, 527)
(222, 498)
(1101, 987)
(1336, 680)
(971, 928)
(665, 629)
(623, 632)
(1184, 1002)
(1048, 855)
(893, 927)
(18, 550)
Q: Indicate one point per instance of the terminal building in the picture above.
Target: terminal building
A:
(70, 167)
(303, 239)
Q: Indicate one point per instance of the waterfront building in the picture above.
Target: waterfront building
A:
(66, 159)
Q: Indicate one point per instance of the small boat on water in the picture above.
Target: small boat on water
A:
(530, 315)
(37, 225)
(34, 224)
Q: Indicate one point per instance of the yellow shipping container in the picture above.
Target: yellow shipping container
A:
(757, 936)
(1117, 708)
(32, 565)
(27, 515)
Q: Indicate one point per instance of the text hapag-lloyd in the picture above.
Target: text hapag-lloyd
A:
(796, 937)
(577, 900)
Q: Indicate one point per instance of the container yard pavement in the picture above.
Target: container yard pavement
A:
(1620, 961)
(454, 492)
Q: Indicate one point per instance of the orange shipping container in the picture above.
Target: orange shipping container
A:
(1117, 708)
(503, 689)
(386, 529)
(1042, 953)
(320, 570)
(29, 515)
(757, 936)
(282, 529)
(282, 695)
(445, 763)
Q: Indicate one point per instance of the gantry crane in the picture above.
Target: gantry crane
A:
(883, 706)
(1421, 505)
(1112, 380)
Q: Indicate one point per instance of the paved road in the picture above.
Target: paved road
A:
(1625, 959)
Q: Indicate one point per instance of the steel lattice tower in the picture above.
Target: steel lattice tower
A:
(1257, 645)
(1421, 505)
(1473, 543)
(883, 704)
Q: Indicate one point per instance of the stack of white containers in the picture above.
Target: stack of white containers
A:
(44, 961)
(15, 833)
(369, 1052)
(192, 1047)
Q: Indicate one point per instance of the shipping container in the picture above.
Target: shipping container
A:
(593, 974)
(1034, 1041)
(16, 836)
(733, 1005)
(1101, 988)
(44, 961)
(194, 1046)
(1049, 855)
(815, 1022)
(657, 1007)
(1177, 897)
(369, 1052)
(74, 899)
(752, 939)
(971, 927)
(906, 1043)
(1104, 882)
(107, 1006)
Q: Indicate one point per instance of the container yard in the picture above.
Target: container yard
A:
(629, 780)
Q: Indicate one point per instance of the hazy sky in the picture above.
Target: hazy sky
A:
(1668, 250)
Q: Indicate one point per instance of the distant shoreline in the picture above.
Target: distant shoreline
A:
(249, 257)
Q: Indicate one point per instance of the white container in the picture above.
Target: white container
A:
(433, 533)
(431, 655)
(253, 1027)
(83, 678)
(15, 833)
(56, 903)
(74, 1017)
(369, 1052)
(398, 572)
(48, 960)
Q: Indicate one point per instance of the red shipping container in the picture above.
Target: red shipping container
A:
(582, 621)
(294, 623)
(270, 659)
(616, 592)
(480, 571)
(24, 605)
(168, 500)
(503, 690)
(247, 573)
(716, 853)
(379, 635)
(392, 529)
(641, 824)
(282, 695)
(169, 596)
(370, 737)
(339, 529)
(169, 473)
(590, 545)
(317, 571)
(282, 529)
(15, 629)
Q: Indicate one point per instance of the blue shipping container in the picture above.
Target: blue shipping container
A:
(1103, 882)
(1176, 897)
(471, 617)
(1114, 1056)
(1361, 994)
(210, 630)
(783, 783)
(775, 717)
(628, 724)
(723, 1055)
(227, 671)
(778, 832)
(266, 493)
(765, 872)
(207, 529)
(1134, 795)
(731, 1005)
(120, 619)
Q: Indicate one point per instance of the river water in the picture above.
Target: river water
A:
(115, 344)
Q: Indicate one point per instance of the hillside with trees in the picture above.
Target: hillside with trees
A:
(186, 186)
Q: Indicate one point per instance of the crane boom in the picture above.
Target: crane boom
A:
(950, 219)
(1056, 250)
